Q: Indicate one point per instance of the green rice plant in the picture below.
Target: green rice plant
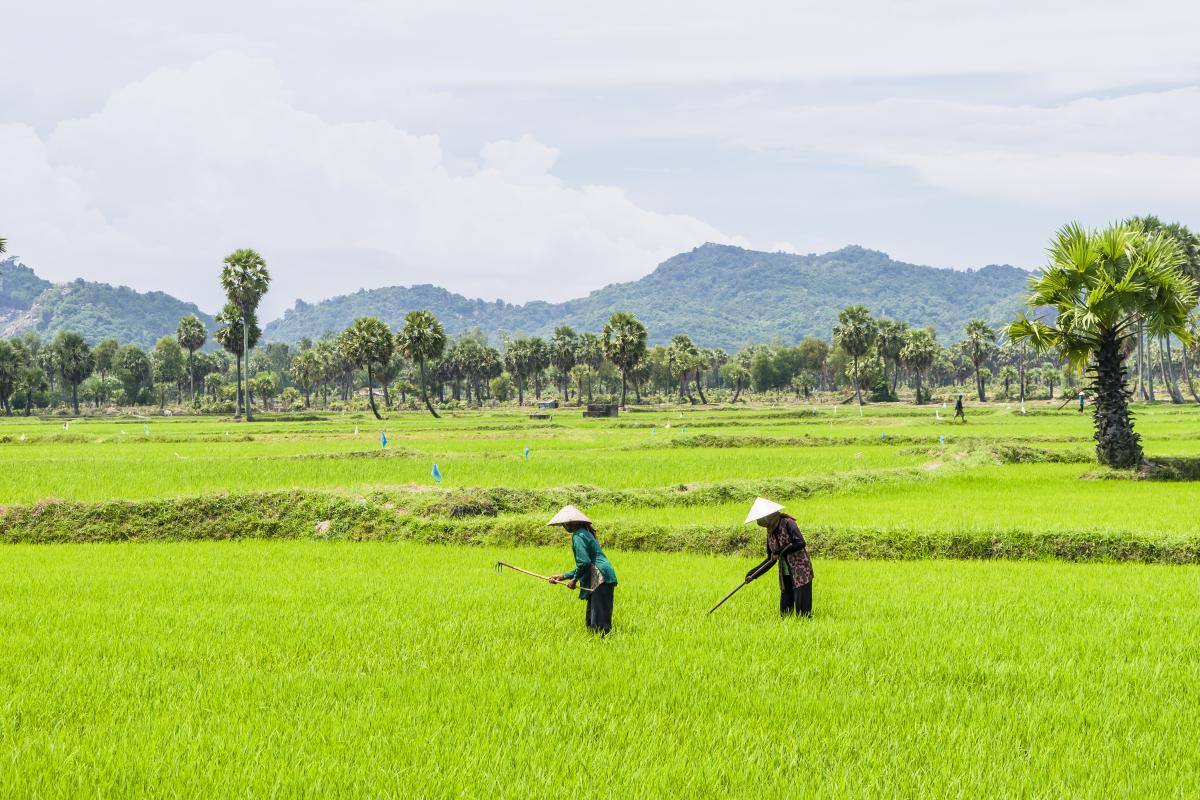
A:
(300, 669)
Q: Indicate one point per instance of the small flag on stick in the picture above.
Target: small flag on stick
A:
(527, 452)
(383, 439)
(437, 473)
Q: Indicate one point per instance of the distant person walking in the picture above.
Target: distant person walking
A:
(785, 546)
(1081, 402)
(593, 573)
(958, 409)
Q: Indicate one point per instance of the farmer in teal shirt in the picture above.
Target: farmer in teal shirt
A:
(593, 573)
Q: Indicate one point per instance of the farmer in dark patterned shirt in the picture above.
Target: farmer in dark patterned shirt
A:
(785, 545)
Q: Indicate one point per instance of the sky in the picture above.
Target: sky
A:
(541, 150)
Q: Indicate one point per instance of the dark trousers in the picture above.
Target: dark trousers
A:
(599, 608)
(796, 601)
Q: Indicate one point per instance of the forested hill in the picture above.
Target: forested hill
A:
(721, 296)
(95, 310)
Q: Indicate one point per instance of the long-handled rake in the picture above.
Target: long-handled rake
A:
(500, 565)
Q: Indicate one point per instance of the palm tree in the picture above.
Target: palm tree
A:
(1101, 284)
(191, 335)
(422, 338)
(624, 343)
(918, 354)
(234, 337)
(737, 372)
(74, 361)
(366, 343)
(30, 379)
(889, 341)
(244, 278)
(980, 345)
(1189, 247)
(517, 357)
(563, 346)
(855, 334)
(590, 352)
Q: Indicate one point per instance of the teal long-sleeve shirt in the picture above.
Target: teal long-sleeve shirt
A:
(588, 554)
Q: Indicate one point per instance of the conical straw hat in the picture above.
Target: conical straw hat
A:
(567, 515)
(762, 508)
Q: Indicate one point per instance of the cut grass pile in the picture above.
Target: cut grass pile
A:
(395, 670)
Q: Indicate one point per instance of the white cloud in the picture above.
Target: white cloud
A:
(1074, 156)
(181, 167)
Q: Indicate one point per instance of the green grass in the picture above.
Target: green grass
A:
(883, 472)
(395, 670)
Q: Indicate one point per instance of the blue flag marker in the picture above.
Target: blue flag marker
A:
(437, 474)
(653, 429)
(146, 429)
(942, 441)
(883, 436)
(685, 429)
(526, 453)
(383, 439)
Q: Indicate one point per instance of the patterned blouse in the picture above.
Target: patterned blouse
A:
(797, 566)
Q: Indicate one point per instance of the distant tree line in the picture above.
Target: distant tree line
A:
(864, 359)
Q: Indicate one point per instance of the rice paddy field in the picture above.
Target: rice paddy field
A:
(346, 634)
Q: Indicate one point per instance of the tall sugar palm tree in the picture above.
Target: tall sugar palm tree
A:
(74, 360)
(244, 279)
(624, 343)
(979, 345)
(422, 339)
(191, 335)
(368, 343)
(1102, 284)
(855, 333)
(889, 343)
(918, 354)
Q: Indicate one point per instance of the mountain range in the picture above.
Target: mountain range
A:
(94, 310)
(721, 296)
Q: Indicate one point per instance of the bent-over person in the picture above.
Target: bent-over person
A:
(593, 573)
(786, 547)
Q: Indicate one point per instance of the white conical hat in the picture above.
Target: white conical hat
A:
(762, 508)
(567, 515)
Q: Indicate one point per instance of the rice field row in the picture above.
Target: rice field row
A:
(299, 669)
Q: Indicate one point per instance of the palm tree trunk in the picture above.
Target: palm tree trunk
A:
(700, 389)
(238, 393)
(1141, 363)
(246, 355)
(917, 376)
(623, 389)
(1150, 374)
(737, 391)
(1116, 443)
(371, 391)
(75, 398)
(1169, 375)
(425, 389)
(857, 386)
(1187, 374)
